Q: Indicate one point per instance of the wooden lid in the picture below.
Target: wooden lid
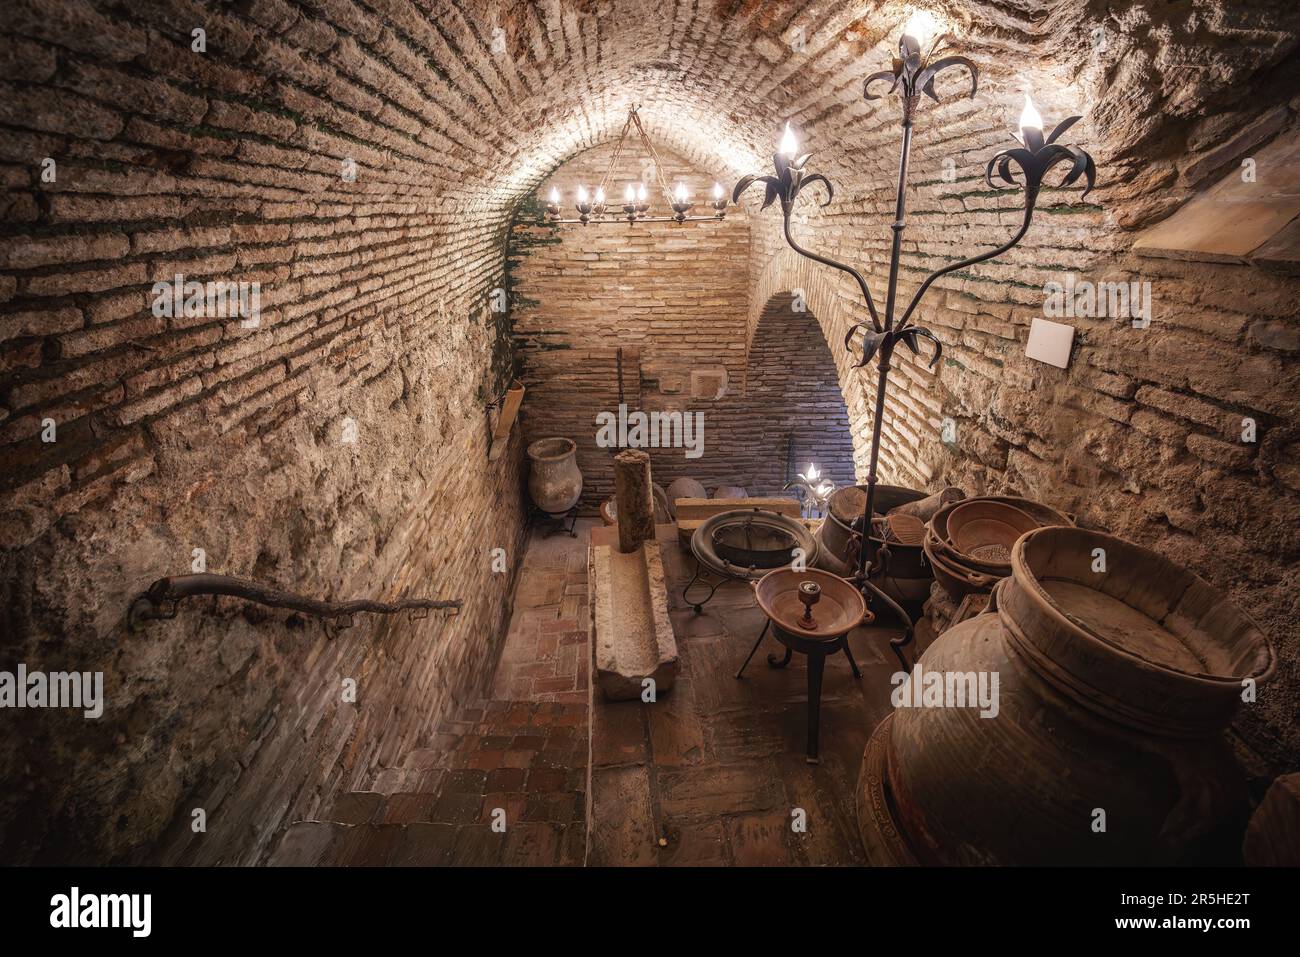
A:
(847, 503)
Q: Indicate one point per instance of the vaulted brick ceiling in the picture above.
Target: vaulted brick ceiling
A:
(521, 86)
(479, 99)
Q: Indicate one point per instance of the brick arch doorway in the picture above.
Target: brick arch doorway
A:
(792, 410)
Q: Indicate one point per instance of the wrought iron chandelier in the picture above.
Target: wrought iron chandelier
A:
(912, 75)
(595, 207)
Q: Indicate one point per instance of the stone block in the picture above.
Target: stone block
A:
(633, 635)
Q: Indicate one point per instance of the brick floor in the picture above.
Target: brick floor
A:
(713, 773)
(522, 753)
(545, 657)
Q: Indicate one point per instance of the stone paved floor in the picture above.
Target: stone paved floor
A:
(713, 773)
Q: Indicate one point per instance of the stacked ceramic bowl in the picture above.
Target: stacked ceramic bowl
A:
(968, 543)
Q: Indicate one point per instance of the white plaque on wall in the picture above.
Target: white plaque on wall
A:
(1050, 342)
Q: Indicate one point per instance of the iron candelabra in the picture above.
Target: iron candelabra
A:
(912, 76)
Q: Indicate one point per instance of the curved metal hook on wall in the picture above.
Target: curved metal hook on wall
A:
(160, 602)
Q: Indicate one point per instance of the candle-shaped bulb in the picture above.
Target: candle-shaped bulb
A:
(641, 193)
(1029, 117)
(717, 191)
(555, 196)
(681, 192)
(921, 26)
(582, 194)
(600, 194)
(789, 145)
(629, 194)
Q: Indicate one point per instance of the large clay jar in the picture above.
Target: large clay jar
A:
(554, 482)
(1107, 748)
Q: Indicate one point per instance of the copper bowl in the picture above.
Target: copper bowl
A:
(838, 610)
(956, 580)
(941, 543)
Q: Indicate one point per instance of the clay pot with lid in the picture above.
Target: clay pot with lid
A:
(554, 480)
(1114, 690)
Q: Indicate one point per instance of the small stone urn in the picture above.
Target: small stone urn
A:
(554, 482)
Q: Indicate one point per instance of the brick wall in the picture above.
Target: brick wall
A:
(183, 433)
(673, 296)
(675, 299)
(791, 413)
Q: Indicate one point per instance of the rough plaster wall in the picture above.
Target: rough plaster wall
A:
(230, 160)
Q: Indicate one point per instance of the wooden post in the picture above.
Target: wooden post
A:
(636, 509)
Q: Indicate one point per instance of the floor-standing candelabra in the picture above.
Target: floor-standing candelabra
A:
(913, 75)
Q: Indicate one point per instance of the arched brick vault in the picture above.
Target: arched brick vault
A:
(226, 165)
(794, 400)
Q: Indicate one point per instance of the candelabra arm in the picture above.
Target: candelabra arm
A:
(842, 267)
(1031, 199)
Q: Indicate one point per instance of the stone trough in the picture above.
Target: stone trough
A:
(633, 637)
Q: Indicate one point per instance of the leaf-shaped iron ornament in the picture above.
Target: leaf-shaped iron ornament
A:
(883, 342)
(914, 72)
(1037, 156)
(789, 181)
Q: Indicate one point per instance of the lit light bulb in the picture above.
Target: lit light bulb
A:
(629, 194)
(922, 26)
(717, 191)
(789, 145)
(600, 195)
(555, 196)
(582, 194)
(1029, 118)
(681, 192)
(641, 193)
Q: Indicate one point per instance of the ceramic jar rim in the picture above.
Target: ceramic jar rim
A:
(567, 448)
(1025, 578)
